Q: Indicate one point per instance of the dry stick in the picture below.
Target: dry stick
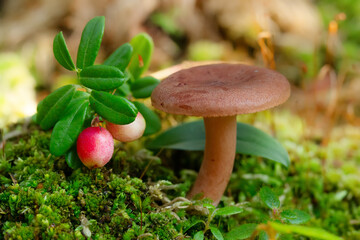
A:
(267, 52)
(13, 179)
(267, 49)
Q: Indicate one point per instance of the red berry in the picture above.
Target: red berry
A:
(95, 147)
(128, 132)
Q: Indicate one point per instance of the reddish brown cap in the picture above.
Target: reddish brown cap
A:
(220, 90)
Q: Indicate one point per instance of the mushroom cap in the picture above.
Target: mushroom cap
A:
(220, 90)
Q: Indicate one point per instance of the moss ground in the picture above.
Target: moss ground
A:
(42, 198)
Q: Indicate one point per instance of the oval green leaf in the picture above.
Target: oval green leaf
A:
(153, 122)
(61, 52)
(199, 235)
(72, 159)
(294, 216)
(192, 223)
(143, 46)
(102, 77)
(242, 232)
(143, 87)
(90, 42)
(263, 235)
(121, 57)
(113, 108)
(67, 130)
(89, 115)
(216, 232)
(228, 211)
(249, 140)
(51, 108)
(80, 95)
(269, 198)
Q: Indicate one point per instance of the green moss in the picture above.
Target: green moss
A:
(41, 197)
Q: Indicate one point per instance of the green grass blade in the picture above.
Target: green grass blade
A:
(312, 233)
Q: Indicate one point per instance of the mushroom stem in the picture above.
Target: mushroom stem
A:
(216, 168)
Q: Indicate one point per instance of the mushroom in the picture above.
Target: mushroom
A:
(218, 93)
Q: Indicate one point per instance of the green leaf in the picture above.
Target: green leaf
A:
(80, 95)
(52, 108)
(34, 118)
(216, 232)
(263, 235)
(72, 158)
(310, 232)
(209, 206)
(61, 52)
(123, 90)
(143, 47)
(102, 77)
(199, 235)
(89, 113)
(249, 140)
(113, 108)
(227, 211)
(269, 198)
(242, 232)
(193, 224)
(143, 87)
(67, 130)
(295, 216)
(90, 42)
(121, 57)
(153, 122)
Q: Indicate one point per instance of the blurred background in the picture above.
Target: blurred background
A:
(315, 44)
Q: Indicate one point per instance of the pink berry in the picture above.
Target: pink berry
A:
(128, 132)
(95, 147)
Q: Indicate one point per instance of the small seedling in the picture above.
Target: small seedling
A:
(213, 212)
(104, 91)
(280, 222)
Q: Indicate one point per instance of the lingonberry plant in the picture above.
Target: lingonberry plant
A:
(104, 92)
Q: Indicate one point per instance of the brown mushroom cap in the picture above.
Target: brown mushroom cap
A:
(220, 90)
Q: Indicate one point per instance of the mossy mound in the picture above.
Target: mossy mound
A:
(41, 198)
(139, 196)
